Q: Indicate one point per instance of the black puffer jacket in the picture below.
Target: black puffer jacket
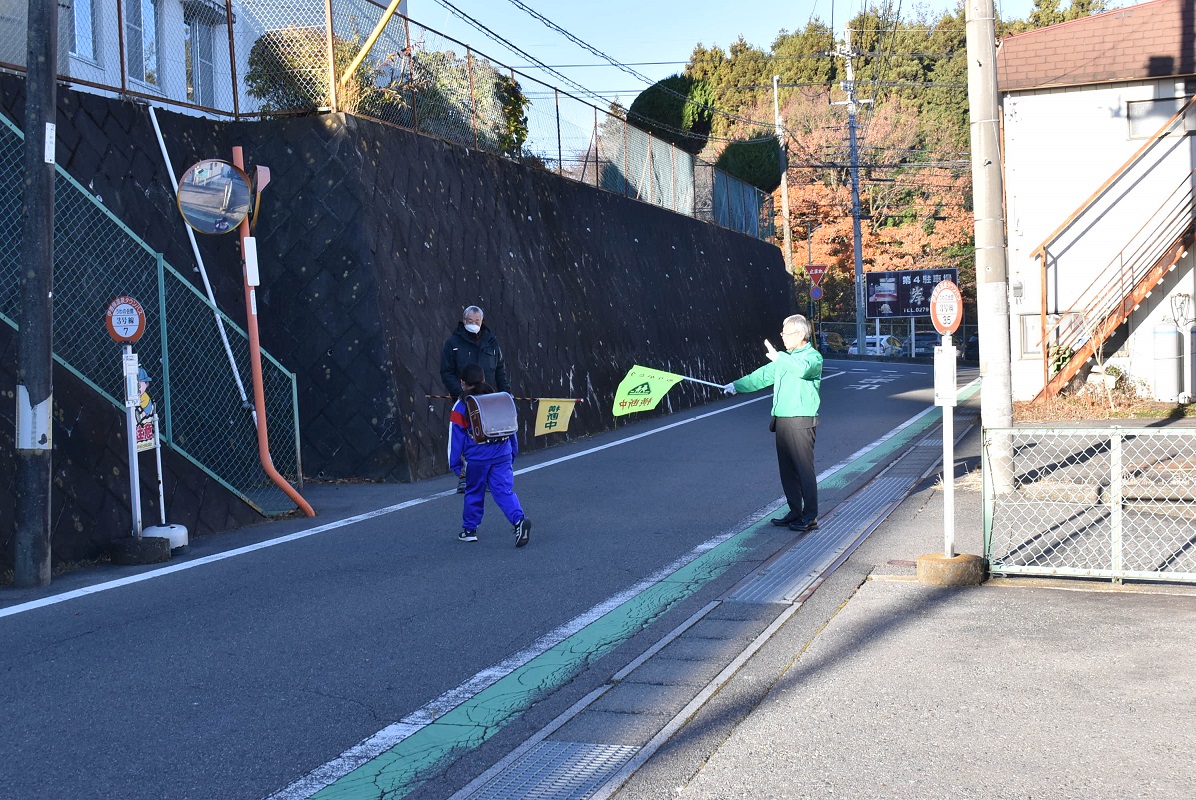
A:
(464, 348)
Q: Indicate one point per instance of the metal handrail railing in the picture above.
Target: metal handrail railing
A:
(1127, 268)
(1040, 251)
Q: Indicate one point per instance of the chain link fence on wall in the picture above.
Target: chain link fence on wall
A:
(1116, 503)
(253, 58)
(202, 411)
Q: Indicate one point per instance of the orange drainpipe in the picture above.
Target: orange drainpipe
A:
(255, 362)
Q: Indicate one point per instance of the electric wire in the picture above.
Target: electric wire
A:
(634, 73)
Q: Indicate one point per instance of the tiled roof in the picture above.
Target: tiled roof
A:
(1156, 39)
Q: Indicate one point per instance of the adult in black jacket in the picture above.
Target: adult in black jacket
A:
(472, 343)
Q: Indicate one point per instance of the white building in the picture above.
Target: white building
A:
(1099, 208)
(192, 52)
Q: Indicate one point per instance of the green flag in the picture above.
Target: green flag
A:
(642, 389)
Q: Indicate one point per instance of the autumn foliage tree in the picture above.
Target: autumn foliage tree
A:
(914, 168)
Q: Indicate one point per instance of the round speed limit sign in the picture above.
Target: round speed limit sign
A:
(946, 307)
(125, 319)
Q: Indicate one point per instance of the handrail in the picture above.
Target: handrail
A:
(1095, 304)
(1100, 297)
(1040, 251)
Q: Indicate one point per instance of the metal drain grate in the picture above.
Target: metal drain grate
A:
(557, 771)
(798, 568)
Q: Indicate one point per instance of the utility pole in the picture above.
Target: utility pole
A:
(781, 143)
(852, 104)
(992, 280)
(35, 390)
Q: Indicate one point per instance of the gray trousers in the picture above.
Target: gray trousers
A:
(795, 458)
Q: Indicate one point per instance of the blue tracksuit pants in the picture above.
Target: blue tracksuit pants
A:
(500, 477)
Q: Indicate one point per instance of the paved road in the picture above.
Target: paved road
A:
(241, 675)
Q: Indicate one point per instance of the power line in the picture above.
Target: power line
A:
(625, 68)
(564, 78)
(629, 63)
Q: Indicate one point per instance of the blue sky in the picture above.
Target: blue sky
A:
(637, 31)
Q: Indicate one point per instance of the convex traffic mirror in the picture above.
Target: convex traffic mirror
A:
(214, 196)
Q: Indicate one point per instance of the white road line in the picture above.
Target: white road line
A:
(240, 551)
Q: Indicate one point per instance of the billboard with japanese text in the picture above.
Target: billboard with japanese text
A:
(905, 293)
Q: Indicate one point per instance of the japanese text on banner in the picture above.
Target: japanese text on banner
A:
(642, 389)
(553, 415)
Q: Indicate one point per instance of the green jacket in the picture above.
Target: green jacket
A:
(795, 378)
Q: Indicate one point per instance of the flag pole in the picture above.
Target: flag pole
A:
(705, 383)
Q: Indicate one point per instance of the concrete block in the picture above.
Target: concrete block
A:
(135, 552)
(935, 569)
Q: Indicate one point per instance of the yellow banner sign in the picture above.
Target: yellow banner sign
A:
(553, 415)
(642, 389)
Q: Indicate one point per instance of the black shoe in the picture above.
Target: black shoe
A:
(467, 535)
(785, 521)
(523, 529)
(461, 485)
(804, 526)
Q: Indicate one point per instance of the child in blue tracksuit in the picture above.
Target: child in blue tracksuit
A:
(490, 465)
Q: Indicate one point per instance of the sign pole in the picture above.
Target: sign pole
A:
(949, 462)
(946, 311)
(132, 400)
(125, 321)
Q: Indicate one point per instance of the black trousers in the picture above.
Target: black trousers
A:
(795, 458)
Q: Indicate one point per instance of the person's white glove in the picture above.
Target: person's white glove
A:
(770, 351)
(729, 389)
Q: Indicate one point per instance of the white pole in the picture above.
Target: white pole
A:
(780, 134)
(132, 399)
(203, 272)
(992, 276)
(704, 383)
(158, 463)
(948, 467)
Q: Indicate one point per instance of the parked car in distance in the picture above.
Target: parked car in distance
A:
(923, 345)
(832, 342)
(971, 350)
(877, 346)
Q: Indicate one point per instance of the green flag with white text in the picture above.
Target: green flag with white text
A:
(642, 389)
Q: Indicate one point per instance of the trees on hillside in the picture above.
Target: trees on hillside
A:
(915, 180)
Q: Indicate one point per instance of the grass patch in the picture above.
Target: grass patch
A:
(1093, 406)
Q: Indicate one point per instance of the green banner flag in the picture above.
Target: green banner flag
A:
(642, 389)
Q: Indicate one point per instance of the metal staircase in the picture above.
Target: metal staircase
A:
(1080, 324)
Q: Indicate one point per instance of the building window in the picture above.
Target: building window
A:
(198, 45)
(1147, 116)
(1031, 336)
(141, 40)
(82, 30)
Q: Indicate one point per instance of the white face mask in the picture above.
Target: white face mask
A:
(473, 328)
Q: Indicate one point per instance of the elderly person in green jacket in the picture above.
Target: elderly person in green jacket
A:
(795, 376)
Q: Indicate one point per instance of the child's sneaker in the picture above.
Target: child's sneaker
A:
(467, 535)
(523, 529)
